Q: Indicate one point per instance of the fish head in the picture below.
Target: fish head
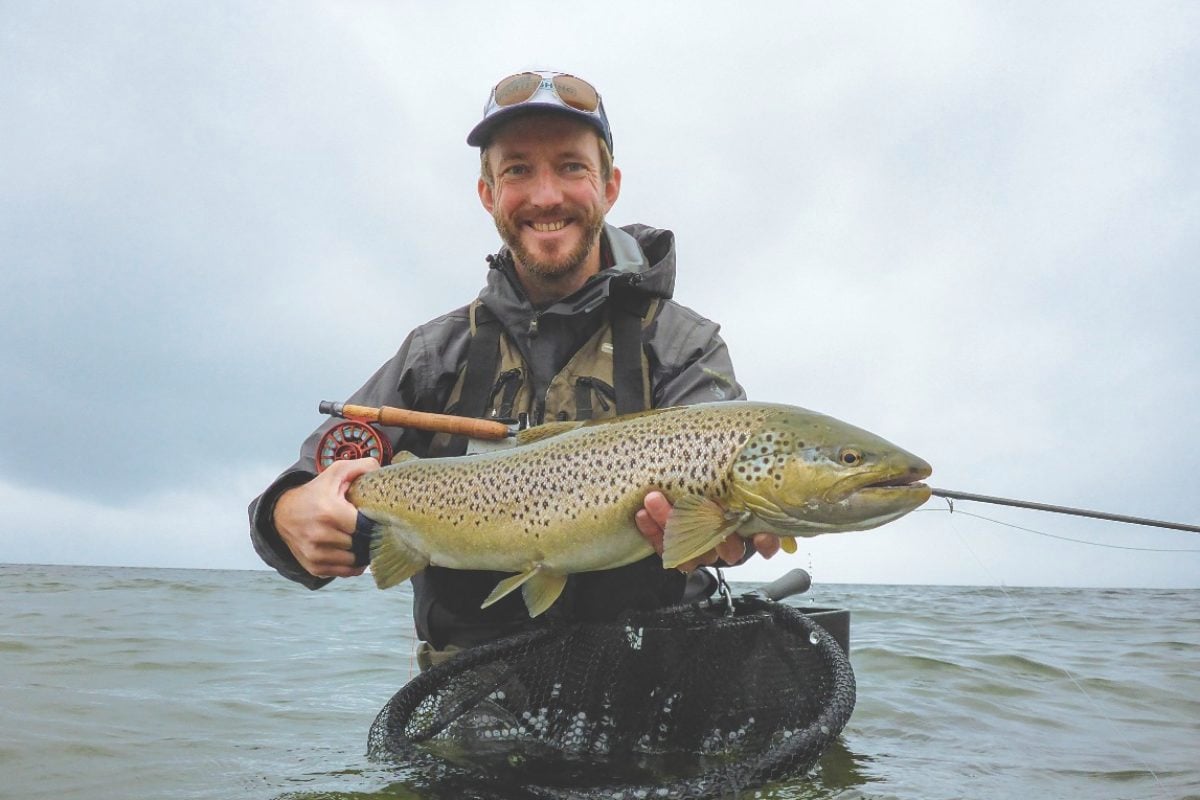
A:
(805, 473)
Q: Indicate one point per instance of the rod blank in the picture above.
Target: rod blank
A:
(1078, 512)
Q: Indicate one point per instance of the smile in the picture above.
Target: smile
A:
(549, 227)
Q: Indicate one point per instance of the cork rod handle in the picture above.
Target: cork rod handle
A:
(422, 420)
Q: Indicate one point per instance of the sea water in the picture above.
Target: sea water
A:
(144, 683)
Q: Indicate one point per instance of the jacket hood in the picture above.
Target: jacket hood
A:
(643, 259)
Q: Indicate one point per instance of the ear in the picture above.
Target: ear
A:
(612, 189)
(486, 196)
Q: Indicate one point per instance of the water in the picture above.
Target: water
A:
(135, 683)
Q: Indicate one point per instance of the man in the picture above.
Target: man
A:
(575, 322)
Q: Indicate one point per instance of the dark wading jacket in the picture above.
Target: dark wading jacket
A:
(687, 363)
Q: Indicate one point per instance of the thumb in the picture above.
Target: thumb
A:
(348, 471)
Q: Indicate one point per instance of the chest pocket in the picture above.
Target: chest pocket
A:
(607, 376)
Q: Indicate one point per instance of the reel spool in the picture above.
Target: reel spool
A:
(350, 440)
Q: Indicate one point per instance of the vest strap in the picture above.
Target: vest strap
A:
(583, 399)
(627, 312)
(483, 354)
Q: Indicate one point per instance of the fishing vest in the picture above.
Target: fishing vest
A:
(609, 375)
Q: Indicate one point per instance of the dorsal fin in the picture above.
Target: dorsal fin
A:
(648, 413)
(546, 430)
(539, 432)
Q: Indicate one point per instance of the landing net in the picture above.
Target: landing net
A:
(697, 701)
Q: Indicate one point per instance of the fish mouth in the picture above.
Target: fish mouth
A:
(908, 485)
(905, 482)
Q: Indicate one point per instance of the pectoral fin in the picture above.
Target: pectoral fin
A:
(538, 587)
(393, 560)
(696, 525)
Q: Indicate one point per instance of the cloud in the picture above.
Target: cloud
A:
(969, 228)
(200, 526)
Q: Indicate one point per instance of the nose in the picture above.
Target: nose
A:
(546, 190)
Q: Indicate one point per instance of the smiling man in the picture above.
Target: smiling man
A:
(576, 322)
(548, 182)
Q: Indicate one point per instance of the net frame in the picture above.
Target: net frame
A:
(649, 697)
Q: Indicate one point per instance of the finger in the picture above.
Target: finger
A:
(324, 556)
(658, 507)
(320, 538)
(649, 529)
(707, 559)
(327, 562)
(341, 572)
(732, 549)
(349, 470)
(767, 544)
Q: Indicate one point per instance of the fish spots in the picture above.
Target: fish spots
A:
(590, 478)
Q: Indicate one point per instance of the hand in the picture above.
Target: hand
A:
(316, 520)
(652, 521)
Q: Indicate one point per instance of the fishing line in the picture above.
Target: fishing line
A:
(1016, 605)
(953, 510)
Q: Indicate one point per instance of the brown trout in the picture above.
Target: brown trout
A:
(563, 499)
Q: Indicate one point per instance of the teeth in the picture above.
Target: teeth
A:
(549, 227)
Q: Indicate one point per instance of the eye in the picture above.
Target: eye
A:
(850, 457)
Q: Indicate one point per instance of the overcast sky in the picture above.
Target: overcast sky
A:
(973, 228)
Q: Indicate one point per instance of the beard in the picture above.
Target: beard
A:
(552, 267)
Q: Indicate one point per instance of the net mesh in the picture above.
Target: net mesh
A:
(688, 702)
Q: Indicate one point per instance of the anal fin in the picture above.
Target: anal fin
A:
(539, 589)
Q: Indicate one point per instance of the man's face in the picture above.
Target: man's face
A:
(549, 199)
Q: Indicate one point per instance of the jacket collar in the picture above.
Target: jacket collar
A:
(642, 258)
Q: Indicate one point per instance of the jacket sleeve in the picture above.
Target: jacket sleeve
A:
(689, 362)
(417, 377)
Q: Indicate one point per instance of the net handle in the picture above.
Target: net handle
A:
(793, 582)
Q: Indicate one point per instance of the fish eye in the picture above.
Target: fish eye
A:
(850, 457)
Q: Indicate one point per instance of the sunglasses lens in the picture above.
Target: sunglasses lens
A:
(517, 88)
(576, 93)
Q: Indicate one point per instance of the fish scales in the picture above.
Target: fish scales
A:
(566, 502)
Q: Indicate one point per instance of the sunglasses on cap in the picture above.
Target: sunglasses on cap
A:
(556, 90)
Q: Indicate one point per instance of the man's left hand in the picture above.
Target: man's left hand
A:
(652, 521)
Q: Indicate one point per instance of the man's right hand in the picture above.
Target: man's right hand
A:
(316, 520)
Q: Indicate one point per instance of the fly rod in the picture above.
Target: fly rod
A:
(1078, 512)
(357, 437)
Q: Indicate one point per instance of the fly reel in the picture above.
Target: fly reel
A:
(349, 440)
